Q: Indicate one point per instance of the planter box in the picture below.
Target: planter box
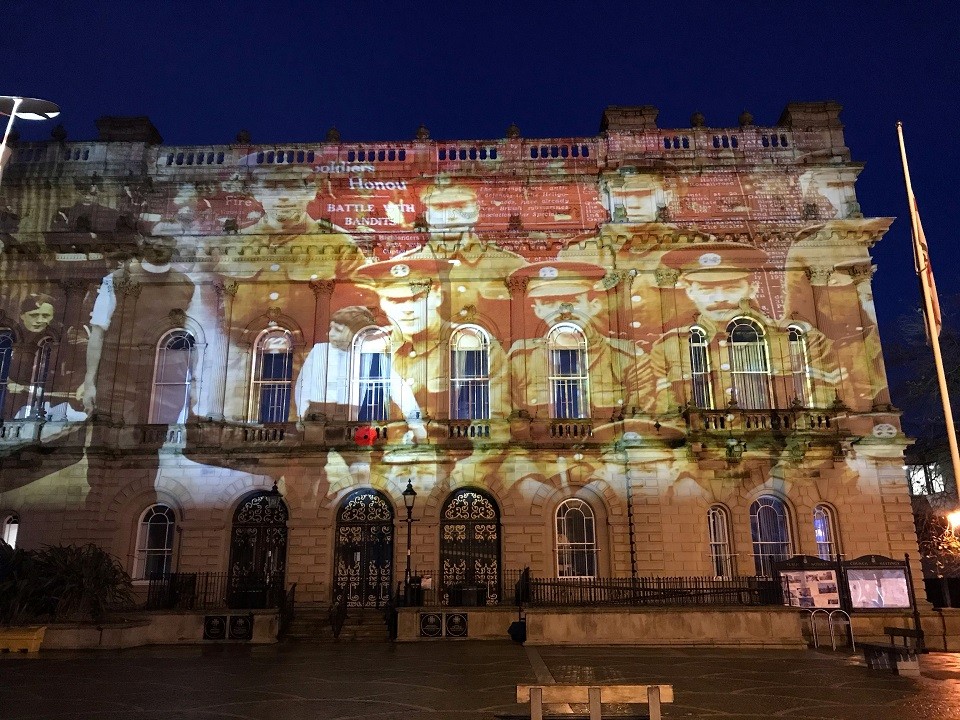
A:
(21, 639)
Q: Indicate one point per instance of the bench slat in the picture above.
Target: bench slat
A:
(608, 693)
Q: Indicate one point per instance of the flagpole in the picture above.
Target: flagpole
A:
(922, 260)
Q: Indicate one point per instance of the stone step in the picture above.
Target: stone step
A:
(312, 624)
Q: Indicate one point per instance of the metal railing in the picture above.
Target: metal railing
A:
(635, 592)
(208, 591)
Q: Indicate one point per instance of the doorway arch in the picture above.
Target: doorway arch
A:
(258, 551)
(470, 549)
(363, 557)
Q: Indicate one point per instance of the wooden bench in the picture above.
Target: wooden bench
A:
(593, 696)
(900, 659)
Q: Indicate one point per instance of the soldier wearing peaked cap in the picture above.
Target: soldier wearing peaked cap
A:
(721, 280)
(567, 297)
(414, 299)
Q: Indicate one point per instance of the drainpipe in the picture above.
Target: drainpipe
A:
(633, 546)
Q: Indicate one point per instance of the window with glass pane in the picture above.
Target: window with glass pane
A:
(567, 348)
(749, 365)
(576, 540)
(470, 374)
(41, 375)
(925, 479)
(272, 376)
(800, 366)
(154, 542)
(721, 557)
(6, 356)
(172, 378)
(371, 371)
(11, 525)
(770, 531)
(824, 531)
(700, 391)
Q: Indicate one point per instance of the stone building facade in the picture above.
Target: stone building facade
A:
(649, 352)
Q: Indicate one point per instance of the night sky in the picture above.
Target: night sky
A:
(287, 71)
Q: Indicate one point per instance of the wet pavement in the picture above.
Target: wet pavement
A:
(464, 680)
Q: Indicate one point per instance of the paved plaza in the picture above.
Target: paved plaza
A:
(463, 680)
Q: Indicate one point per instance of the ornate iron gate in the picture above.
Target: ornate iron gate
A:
(470, 550)
(364, 550)
(258, 551)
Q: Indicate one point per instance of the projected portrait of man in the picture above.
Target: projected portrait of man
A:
(148, 288)
(323, 386)
(573, 369)
(471, 267)
(412, 298)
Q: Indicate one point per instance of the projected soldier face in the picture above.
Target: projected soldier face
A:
(37, 319)
(340, 336)
(412, 311)
(581, 305)
(720, 300)
(158, 250)
(451, 209)
(284, 203)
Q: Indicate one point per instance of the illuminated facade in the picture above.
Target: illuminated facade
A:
(648, 352)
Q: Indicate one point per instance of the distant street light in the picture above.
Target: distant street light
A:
(26, 108)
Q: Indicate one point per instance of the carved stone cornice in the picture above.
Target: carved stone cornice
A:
(612, 279)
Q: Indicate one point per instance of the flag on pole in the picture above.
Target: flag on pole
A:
(921, 260)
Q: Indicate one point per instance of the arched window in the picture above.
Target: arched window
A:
(469, 374)
(721, 556)
(824, 529)
(11, 524)
(371, 373)
(272, 376)
(172, 378)
(576, 540)
(568, 372)
(41, 375)
(6, 355)
(749, 365)
(154, 542)
(770, 531)
(701, 394)
(800, 366)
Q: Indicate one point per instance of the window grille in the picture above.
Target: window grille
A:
(749, 365)
(470, 374)
(11, 526)
(825, 532)
(576, 540)
(272, 377)
(770, 531)
(568, 378)
(800, 367)
(721, 557)
(6, 356)
(371, 373)
(41, 375)
(154, 542)
(701, 393)
(172, 378)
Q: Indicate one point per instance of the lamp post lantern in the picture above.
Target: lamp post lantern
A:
(26, 108)
(409, 498)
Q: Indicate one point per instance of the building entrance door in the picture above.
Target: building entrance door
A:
(258, 552)
(470, 550)
(363, 570)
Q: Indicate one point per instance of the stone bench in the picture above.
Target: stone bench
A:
(593, 696)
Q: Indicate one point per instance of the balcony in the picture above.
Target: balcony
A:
(804, 420)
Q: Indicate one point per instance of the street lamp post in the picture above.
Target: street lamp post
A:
(409, 498)
(26, 108)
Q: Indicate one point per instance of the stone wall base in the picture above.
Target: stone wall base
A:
(160, 628)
